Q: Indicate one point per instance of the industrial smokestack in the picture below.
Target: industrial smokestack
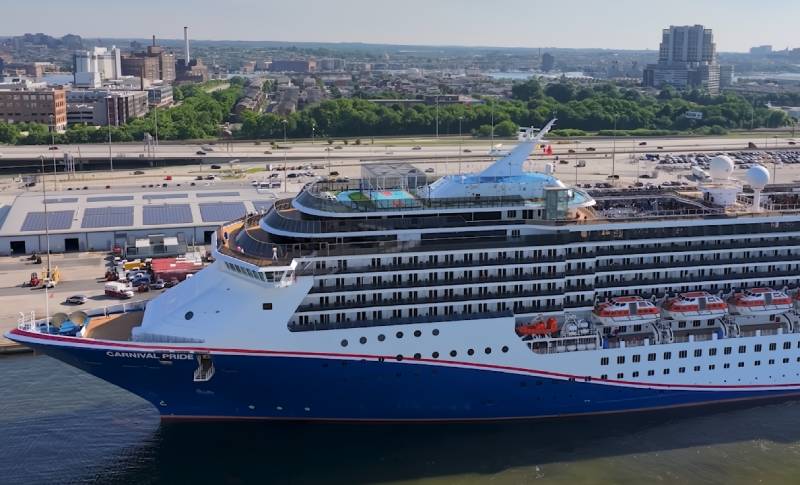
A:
(154, 40)
(186, 40)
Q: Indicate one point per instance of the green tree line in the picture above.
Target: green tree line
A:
(579, 109)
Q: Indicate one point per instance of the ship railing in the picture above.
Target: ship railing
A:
(29, 323)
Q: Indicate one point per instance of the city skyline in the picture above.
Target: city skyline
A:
(736, 24)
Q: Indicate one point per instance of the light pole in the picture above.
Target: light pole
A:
(460, 119)
(52, 149)
(492, 126)
(614, 148)
(437, 116)
(313, 130)
(47, 241)
(108, 116)
(284, 129)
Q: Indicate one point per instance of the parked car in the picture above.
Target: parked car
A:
(591, 149)
(429, 170)
(200, 152)
(52, 148)
(76, 300)
(138, 172)
(215, 167)
(171, 283)
(158, 284)
(199, 177)
(334, 173)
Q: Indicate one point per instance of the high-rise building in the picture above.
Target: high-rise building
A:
(687, 59)
(105, 106)
(548, 62)
(93, 67)
(47, 106)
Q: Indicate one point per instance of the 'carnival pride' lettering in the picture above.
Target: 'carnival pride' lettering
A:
(149, 355)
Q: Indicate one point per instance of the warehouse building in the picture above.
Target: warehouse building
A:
(99, 221)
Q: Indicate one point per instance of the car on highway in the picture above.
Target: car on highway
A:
(198, 177)
(791, 143)
(267, 152)
(337, 147)
(215, 167)
(591, 149)
(467, 150)
(138, 172)
(291, 175)
(334, 173)
(207, 148)
(76, 300)
(200, 152)
(643, 143)
(417, 148)
(274, 175)
(52, 148)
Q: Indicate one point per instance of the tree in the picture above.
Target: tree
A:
(526, 91)
(561, 92)
(506, 128)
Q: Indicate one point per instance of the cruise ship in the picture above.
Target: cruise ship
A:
(503, 294)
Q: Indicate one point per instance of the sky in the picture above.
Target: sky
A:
(614, 24)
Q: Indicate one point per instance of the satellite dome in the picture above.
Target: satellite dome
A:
(721, 167)
(757, 176)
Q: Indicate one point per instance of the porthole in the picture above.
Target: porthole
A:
(399, 358)
(435, 355)
(399, 335)
(344, 343)
(504, 349)
(417, 333)
(417, 356)
(363, 340)
(470, 352)
(487, 350)
(435, 331)
(188, 315)
(381, 337)
(453, 353)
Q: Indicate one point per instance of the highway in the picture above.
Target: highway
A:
(403, 148)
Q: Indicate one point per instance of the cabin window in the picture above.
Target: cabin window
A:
(711, 367)
(635, 374)
(742, 349)
(726, 366)
(620, 375)
(699, 352)
(727, 350)
(682, 354)
(188, 315)
(621, 359)
(681, 370)
(712, 352)
(773, 346)
(266, 306)
(651, 372)
(787, 345)
(741, 364)
(651, 357)
(667, 355)
(637, 358)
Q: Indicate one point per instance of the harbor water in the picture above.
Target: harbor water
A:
(62, 426)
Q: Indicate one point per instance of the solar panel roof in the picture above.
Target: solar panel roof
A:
(109, 198)
(164, 196)
(222, 211)
(262, 205)
(218, 194)
(62, 200)
(107, 217)
(35, 221)
(167, 214)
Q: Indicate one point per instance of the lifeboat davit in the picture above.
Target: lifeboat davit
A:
(538, 327)
(760, 301)
(625, 310)
(695, 305)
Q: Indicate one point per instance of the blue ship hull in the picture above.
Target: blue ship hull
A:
(307, 388)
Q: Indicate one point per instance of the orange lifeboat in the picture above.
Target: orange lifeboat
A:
(625, 310)
(695, 305)
(538, 327)
(760, 301)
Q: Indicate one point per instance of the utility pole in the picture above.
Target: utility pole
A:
(614, 148)
(52, 150)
